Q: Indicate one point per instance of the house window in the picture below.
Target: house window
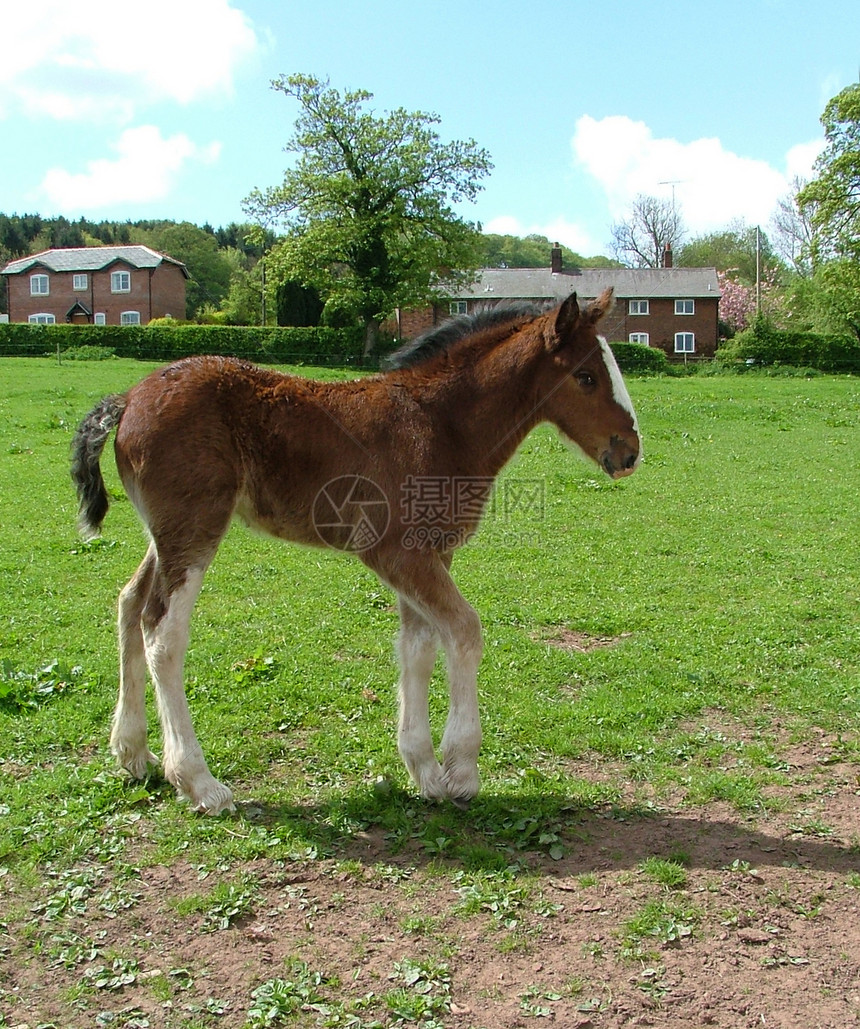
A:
(640, 337)
(685, 307)
(39, 286)
(458, 307)
(685, 343)
(120, 282)
(637, 307)
(99, 318)
(129, 318)
(42, 319)
(79, 281)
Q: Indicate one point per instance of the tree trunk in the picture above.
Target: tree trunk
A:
(371, 337)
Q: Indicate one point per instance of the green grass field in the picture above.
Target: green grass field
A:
(722, 581)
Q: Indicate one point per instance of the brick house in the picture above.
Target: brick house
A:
(675, 309)
(125, 285)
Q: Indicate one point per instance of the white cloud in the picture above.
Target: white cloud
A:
(144, 169)
(712, 186)
(799, 161)
(505, 225)
(573, 236)
(103, 59)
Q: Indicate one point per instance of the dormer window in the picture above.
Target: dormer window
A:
(39, 286)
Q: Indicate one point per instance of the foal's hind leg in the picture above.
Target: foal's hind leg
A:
(128, 734)
(166, 623)
(417, 645)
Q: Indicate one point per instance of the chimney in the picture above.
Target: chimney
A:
(667, 256)
(555, 258)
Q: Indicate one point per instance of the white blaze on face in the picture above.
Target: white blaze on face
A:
(619, 390)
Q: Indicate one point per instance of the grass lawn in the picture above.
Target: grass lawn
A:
(662, 639)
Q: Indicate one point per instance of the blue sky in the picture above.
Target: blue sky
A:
(581, 105)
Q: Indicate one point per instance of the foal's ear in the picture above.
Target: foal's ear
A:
(566, 321)
(601, 306)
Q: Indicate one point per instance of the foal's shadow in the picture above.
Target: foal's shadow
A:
(554, 835)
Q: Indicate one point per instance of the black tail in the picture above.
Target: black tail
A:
(87, 447)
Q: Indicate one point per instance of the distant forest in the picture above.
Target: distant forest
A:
(225, 278)
(25, 234)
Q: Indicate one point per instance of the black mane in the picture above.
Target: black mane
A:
(438, 339)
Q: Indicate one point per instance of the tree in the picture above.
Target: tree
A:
(298, 304)
(731, 250)
(793, 230)
(243, 303)
(533, 251)
(651, 225)
(834, 196)
(208, 267)
(737, 304)
(367, 204)
(828, 300)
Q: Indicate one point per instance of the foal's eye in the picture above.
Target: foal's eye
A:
(585, 379)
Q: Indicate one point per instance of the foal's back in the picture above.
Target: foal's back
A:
(207, 438)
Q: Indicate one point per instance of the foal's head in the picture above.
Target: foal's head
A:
(583, 392)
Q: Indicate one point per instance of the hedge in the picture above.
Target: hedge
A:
(763, 344)
(316, 345)
(640, 359)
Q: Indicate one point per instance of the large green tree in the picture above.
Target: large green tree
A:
(368, 204)
(833, 196)
(831, 201)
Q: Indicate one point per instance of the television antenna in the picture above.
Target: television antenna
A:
(673, 183)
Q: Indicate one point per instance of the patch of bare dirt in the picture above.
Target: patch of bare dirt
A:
(765, 929)
(563, 638)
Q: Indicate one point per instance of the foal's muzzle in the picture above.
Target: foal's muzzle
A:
(621, 457)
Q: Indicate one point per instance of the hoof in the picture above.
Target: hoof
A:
(214, 801)
(203, 792)
(226, 808)
(137, 763)
(431, 784)
(461, 784)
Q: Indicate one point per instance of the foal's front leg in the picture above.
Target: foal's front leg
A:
(461, 741)
(166, 640)
(423, 583)
(417, 645)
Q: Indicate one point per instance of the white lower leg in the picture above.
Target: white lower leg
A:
(128, 732)
(461, 741)
(417, 650)
(184, 763)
